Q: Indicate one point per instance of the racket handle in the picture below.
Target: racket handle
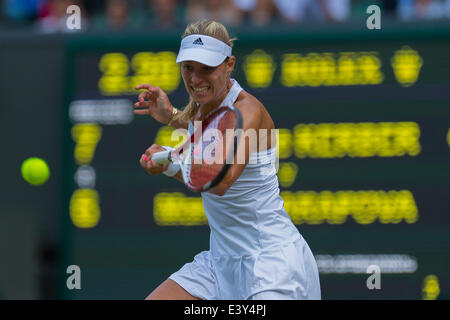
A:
(161, 157)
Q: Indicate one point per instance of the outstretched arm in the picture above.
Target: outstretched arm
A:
(155, 102)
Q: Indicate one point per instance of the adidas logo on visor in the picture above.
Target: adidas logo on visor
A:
(198, 41)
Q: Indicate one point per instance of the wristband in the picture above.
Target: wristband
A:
(173, 168)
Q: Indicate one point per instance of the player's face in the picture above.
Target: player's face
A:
(206, 84)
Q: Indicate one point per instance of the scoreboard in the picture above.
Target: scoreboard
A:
(363, 135)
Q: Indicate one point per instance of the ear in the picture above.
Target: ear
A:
(230, 64)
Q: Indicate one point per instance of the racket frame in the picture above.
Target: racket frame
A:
(168, 156)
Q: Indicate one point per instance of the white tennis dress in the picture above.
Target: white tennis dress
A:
(256, 252)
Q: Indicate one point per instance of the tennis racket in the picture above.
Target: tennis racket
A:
(206, 156)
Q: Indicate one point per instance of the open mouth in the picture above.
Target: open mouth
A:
(200, 89)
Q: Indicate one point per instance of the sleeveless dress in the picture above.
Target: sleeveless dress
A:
(256, 252)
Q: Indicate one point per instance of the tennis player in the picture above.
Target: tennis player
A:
(256, 252)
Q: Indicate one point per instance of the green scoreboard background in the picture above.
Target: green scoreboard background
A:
(363, 145)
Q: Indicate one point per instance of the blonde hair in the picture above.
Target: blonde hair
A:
(208, 28)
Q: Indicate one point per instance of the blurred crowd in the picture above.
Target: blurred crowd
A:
(50, 16)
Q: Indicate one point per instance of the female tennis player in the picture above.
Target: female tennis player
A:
(256, 252)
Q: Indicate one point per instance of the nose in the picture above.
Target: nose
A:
(196, 78)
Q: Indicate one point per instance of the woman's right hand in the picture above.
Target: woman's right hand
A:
(154, 102)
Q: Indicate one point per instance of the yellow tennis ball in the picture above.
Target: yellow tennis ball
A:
(35, 171)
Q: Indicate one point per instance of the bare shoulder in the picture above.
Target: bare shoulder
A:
(248, 102)
(251, 107)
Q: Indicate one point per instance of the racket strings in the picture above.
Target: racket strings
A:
(208, 155)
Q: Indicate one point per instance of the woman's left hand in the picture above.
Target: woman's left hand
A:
(148, 164)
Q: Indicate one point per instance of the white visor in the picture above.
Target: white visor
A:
(203, 49)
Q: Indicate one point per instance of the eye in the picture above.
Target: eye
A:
(208, 69)
(188, 68)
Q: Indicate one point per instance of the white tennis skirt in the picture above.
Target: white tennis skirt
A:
(284, 272)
